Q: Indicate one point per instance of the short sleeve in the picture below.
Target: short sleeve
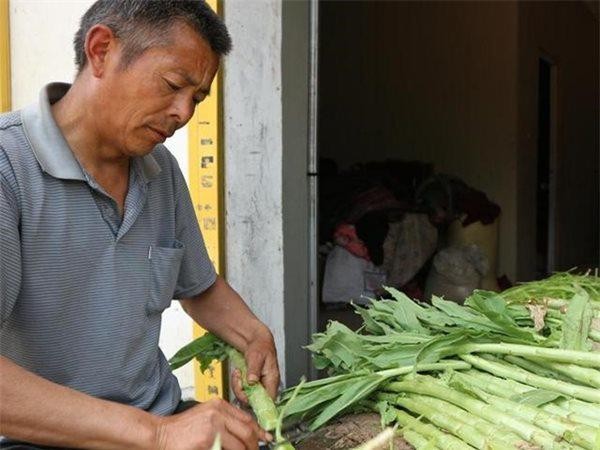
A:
(197, 272)
(10, 247)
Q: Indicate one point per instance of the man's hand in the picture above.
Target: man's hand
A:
(198, 427)
(261, 359)
(222, 311)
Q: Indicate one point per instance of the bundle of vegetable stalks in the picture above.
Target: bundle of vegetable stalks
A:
(517, 370)
(209, 348)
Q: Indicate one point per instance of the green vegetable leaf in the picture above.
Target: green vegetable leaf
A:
(356, 392)
(442, 346)
(387, 412)
(536, 397)
(576, 323)
(406, 312)
(495, 309)
(371, 325)
(307, 401)
(341, 347)
(205, 349)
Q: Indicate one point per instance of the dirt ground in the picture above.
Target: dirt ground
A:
(348, 432)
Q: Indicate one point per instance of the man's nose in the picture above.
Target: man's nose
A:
(182, 109)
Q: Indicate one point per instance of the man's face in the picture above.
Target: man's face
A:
(143, 104)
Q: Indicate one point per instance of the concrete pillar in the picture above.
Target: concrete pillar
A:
(266, 138)
(253, 160)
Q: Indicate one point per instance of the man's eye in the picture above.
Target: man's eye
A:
(173, 86)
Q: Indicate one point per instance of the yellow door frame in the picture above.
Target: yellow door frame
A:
(206, 187)
(5, 100)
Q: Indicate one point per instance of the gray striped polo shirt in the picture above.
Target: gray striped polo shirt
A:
(82, 290)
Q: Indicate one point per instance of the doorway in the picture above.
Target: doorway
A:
(545, 188)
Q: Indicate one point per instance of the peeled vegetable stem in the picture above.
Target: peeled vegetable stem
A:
(208, 348)
(258, 398)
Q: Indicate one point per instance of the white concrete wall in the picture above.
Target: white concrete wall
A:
(41, 34)
(253, 160)
(41, 52)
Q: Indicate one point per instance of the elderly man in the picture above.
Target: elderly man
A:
(98, 234)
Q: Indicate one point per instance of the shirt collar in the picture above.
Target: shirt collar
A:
(49, 145)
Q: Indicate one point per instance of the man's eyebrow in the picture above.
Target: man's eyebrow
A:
(193, 82)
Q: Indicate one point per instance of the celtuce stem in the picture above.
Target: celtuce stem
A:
(515, 373)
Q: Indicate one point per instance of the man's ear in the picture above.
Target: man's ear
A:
(100, 41)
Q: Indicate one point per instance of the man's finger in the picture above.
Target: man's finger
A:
(271, 384)
(245, 432)
(270, 378)
(237, 413)
(236, 386)
(255, 361)
(231, 442)
(247, 418)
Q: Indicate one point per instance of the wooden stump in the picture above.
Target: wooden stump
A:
(348, 432)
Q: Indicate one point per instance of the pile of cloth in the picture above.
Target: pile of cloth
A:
(388, 227)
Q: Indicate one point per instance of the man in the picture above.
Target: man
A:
(98, 234)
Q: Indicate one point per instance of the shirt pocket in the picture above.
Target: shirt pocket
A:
(164, 264)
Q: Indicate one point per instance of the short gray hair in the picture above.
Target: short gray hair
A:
(141, 24)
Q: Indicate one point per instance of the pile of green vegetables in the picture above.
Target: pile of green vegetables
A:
(518, 369)
(515, 370)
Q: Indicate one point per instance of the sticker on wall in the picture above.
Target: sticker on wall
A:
(209, 223)
(206, 161)
(207, 181)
